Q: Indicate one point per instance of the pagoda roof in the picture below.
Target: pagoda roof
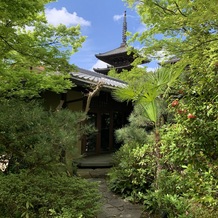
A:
(117, 51)
(103, 70)
(116, 57)
(172, 60)
(120, 57)
(83, 77)
(107, 69)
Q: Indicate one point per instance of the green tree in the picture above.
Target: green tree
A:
(34, 139)
(129, 75)
(186, 30)
(150, 95)
(23, 50)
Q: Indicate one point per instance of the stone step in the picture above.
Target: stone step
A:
(92, 172)
(95, 161)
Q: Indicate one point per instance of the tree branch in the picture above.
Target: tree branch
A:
(91, 95)
(165, 9)
(60, 105)
(177, 6)
(23, 53)
(200, 44)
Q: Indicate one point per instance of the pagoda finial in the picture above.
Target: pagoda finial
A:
(124, 30)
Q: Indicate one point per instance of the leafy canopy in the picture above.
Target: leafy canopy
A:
(185, 152)
(32, 50)
(184, 28)
(187, 30)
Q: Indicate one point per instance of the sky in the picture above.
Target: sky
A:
(101, 22)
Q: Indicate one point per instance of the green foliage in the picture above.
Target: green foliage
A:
(135, 131)
(186, 155)
(172, 205)
(187, 183)
(23, 50)
(34, 139)
(150, 92)
(44, 195)
(189, 152)
(180, 190)
(35, 142)
(132, 174)
(130, 76)
(185, 28)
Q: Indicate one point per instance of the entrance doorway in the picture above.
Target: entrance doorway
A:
(103, 140)
(107, 115)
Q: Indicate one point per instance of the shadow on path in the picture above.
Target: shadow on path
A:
(114, 205)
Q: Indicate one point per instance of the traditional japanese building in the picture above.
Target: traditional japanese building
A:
(118, 57)
(105, 113)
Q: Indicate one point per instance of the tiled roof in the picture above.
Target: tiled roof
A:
(87, 77)
(119, 50)
(172, 60)
(107, 69)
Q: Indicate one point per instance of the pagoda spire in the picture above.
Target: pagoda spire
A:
(124, 30)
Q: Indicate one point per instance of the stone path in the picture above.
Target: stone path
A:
(113, 205)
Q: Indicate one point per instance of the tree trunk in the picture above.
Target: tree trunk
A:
(157, 156)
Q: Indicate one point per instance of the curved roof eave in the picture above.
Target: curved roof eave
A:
(119, 50)
(85, 77)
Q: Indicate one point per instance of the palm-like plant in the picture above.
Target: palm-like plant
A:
(150, 94)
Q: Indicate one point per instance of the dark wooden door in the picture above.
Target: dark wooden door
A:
(106, 115)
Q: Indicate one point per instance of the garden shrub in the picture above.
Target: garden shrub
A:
(136, 132)
(187, 183)
(189, 152)
(168, 198)
(46, 195)
(132, 173)
(32, 138)
(35, 183)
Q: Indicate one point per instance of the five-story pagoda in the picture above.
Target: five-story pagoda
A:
(117, 58)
